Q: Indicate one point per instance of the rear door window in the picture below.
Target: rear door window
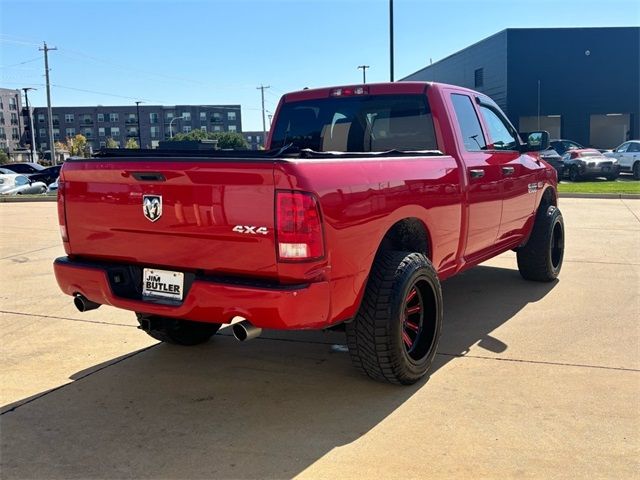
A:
(470, 128)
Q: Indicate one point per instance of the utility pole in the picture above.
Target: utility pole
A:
(138, 116)
(52, 147)
(391, 39)
(264, 121)
(364, 72)
(33, 134)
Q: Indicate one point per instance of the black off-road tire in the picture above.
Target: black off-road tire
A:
(574, 174)
(636, 170)
(376, 337)
(177, 332)
(540, 259)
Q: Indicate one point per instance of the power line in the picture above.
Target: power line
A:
(104, 93)
(21, 63)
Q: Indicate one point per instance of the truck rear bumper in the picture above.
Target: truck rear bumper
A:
(266, 306)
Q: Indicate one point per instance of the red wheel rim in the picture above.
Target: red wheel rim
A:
(413, 317)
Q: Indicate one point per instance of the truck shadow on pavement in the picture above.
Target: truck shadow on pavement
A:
(269, 408)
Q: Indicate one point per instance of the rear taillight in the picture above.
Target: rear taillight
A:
(299, 227)
(62, 220)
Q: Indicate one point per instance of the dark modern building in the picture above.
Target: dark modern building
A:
(120, 123)
(578, 83)
(10, 119)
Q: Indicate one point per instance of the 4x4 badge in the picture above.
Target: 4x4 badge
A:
(152, 207)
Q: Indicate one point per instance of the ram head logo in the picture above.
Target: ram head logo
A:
(152, 207)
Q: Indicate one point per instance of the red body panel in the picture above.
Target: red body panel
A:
(467, 220)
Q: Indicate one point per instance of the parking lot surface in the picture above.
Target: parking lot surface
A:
(531, 380)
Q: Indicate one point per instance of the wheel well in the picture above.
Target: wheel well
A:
(548, 199)
(409, 235)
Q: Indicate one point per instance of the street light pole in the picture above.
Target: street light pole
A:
(171, 123)
(33, 134)
(364, 72)
(138, 115)
(391, 38)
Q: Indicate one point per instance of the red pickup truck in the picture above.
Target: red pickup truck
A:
(366, 198)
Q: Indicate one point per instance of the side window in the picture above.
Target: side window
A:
(622, 148)
(633, 147)
(20, 181)
(472, 135)
(499, 130)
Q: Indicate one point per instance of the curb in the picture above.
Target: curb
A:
(27, 198)
(616, 196)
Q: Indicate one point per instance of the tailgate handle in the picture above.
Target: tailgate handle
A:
(148, 176)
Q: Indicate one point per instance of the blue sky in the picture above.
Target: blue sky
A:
(218, 52)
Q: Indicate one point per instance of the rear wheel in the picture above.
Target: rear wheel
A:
(574, 174)
(396, 331)
(540, 259)
(179, 332)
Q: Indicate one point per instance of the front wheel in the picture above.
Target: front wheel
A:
(396, 331)
(540, 259)
(179, 332)
(574, 174)
(612, 177)
(636, 170)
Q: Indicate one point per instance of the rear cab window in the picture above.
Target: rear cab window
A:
(359, 123)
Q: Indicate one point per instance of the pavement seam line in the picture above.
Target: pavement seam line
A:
(539, 362)
(32, 251)
(68, 319)
(44, 394)
(629, 208)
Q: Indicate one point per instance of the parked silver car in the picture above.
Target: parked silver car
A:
(589, 163)
(16, 184)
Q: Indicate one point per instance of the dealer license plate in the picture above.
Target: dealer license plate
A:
(162, 284)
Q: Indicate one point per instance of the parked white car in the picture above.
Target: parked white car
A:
(20, 185)
(628, 156)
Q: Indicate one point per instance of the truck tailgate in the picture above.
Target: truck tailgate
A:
(192, 209)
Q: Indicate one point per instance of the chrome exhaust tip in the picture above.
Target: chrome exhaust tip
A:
(83, 304)
(244, 331)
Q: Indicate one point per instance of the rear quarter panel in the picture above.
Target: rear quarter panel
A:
(361, 199)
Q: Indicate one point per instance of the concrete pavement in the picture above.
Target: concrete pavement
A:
(531, 380)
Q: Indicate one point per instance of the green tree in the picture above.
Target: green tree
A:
(4, 158)
(77, 146)
(132, 144)
(111, 143)
(232, 140)
(226, 140)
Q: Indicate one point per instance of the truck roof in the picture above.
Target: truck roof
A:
(383, 88)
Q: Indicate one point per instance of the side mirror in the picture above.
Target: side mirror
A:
(537, 141)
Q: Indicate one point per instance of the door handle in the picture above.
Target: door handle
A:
(508, 170)
(476, 172)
